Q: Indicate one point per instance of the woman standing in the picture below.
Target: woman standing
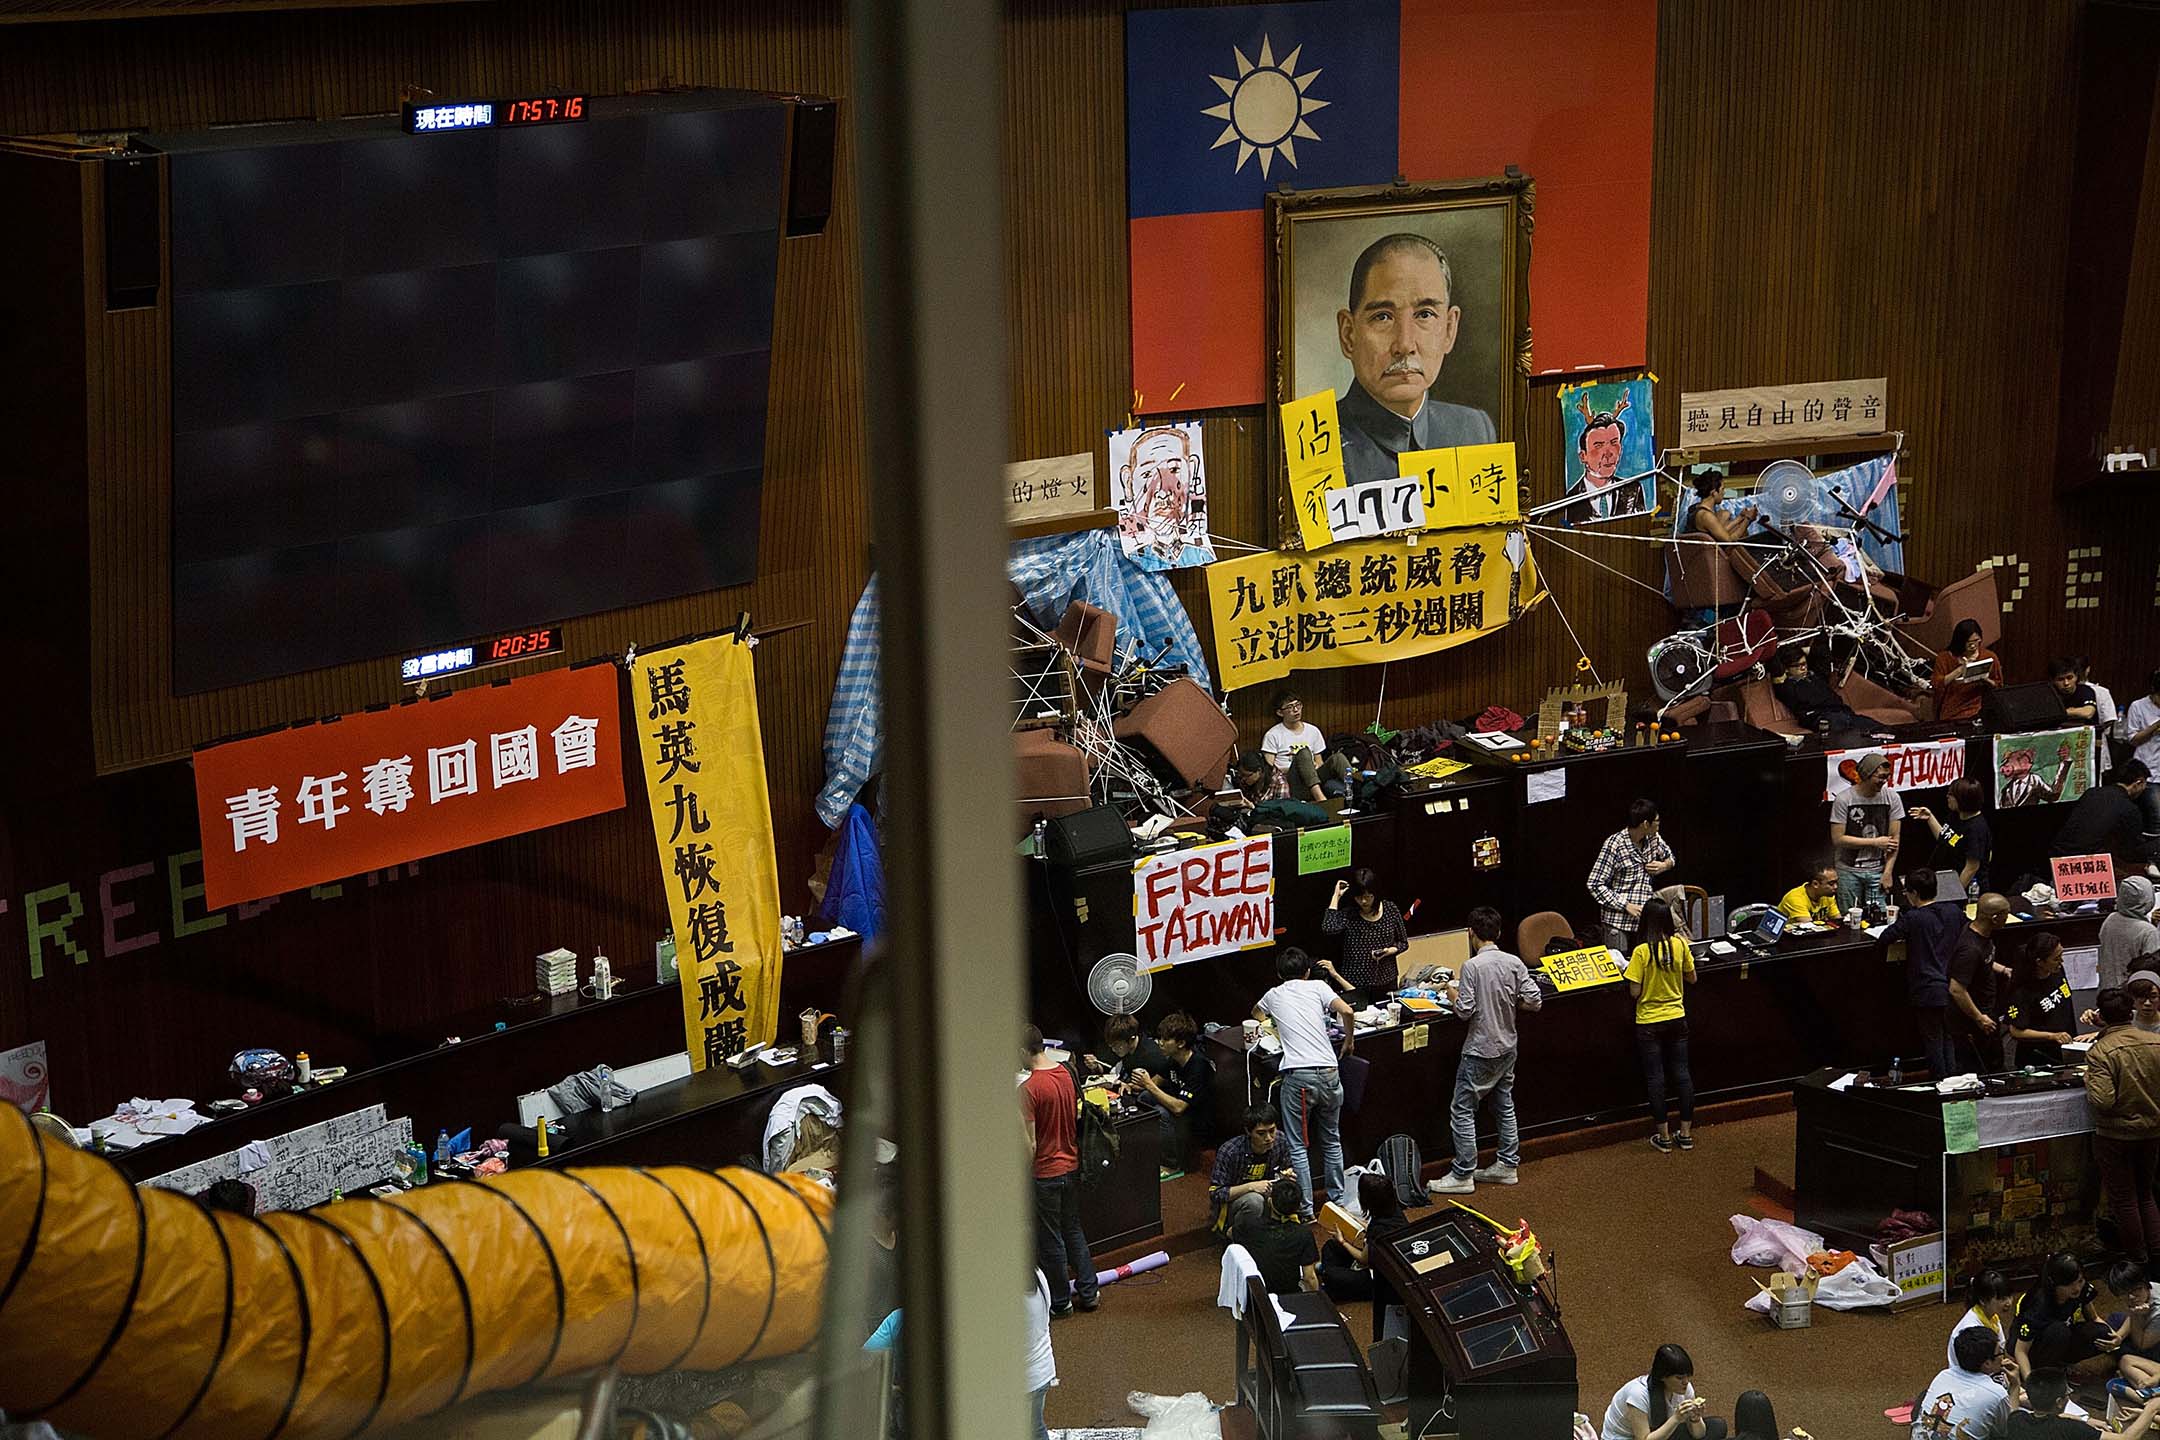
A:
(1662, 1404)
(1962, 842)
(1372, 932)
(1658, 974)
(1955, 698)
(2041, 1016)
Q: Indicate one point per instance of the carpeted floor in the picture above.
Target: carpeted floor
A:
(1643, 1244)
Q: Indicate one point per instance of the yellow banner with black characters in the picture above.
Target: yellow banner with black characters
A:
(696, 706)
(1363, 603)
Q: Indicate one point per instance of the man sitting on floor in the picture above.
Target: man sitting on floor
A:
(1279, 1243)
(1246, 1166)
(1971, 1398)
(2046, 1395)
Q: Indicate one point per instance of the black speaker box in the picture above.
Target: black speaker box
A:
(133, 251)
(810, 161)
(1088, 837)
(2022, 707)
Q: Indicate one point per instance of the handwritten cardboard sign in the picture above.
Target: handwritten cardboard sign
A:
(1375, 508)
(1582, 969)
(2079, 878)
(1778, 413)
(1211, 900)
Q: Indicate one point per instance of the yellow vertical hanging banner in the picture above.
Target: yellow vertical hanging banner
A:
(696, 707)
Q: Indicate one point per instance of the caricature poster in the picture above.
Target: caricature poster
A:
(1158, 486)
(2045, 768)
(1608, 453)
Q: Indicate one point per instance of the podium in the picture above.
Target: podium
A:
(1487, 1356)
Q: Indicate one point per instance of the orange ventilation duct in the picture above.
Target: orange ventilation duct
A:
(128, 1312)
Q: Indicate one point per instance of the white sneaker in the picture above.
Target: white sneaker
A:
(1452, 1184)
(1495, 1175)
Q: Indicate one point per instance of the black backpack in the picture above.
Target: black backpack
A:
(1098, 1137)
(1098, 1146)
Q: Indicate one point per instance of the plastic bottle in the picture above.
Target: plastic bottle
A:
(542, 1137)
(1897, 1070)
(442, 1148)
(303, 1068)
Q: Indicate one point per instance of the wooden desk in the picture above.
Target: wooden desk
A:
(1126, 1208)
(713, 1118)
(1756, 1023)
(477, 1081)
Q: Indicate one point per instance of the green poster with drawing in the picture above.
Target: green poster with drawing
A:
(2044, 767)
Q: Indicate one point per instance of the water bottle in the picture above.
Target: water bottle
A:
(1897, 1071)
(442, 1147)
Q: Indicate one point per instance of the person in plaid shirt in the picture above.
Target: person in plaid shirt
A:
(1626, 872)
(1245, 1166)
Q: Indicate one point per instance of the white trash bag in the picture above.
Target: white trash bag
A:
(1773, 1242)
(1190, 1416)
(1859, 1286)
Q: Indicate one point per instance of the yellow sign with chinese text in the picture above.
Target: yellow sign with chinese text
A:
(1583, 969)
(1312, 447)
(1365, 602)
(1467, 485)
(696, 707)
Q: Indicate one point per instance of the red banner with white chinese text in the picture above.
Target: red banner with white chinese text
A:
(316, 803)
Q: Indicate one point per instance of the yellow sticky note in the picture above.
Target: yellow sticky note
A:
(1436, 472)
(1487, 484)
(1312, 448)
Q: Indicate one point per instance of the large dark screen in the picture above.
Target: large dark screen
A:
(427, 387)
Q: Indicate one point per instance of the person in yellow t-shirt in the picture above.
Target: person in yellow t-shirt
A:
(1658, 974)
(1814, 899)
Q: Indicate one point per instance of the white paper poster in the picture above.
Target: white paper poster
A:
(1211, 900)
(1158, 486)
(1921, 765)
(24, 1081)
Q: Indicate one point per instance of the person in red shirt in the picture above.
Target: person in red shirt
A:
(1050, 1111)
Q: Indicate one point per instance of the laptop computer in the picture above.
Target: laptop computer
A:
(1767, 930)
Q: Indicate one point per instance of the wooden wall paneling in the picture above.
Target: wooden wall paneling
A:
(174, 73)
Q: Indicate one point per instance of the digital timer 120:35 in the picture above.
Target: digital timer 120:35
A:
(530, 642)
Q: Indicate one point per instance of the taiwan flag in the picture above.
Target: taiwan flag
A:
(1224, 104)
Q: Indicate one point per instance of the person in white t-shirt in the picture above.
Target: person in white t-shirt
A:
(1661, 1405)
(1295, 749)
(2139, 728)
(1311, 1094)
(1990, 1304)
(1041, 1363)
(1972, 1398)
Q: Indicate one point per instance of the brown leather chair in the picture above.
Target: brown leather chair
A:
(1182, 723)
(1536, 931)
(1052, 778)
(1091, 634)
(1700, 574)
(1973, 598)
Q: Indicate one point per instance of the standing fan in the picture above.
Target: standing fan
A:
(1117, 986)
(1787, 494)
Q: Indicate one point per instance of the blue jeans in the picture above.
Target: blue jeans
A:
(1312, 1119)
(1035, 1400)
(1662, 1047)
(1856, 886)
(1060, 1248)
(1477, 1076)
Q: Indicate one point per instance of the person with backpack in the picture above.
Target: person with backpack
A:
(1312, 1093)
(1050, 1114)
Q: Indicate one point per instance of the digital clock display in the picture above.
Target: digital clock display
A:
(479, 654)
(433, 117)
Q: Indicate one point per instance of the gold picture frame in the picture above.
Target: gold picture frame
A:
(1479, 230)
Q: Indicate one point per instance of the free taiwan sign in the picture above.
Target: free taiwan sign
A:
(1212, 900)
(316, 803)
